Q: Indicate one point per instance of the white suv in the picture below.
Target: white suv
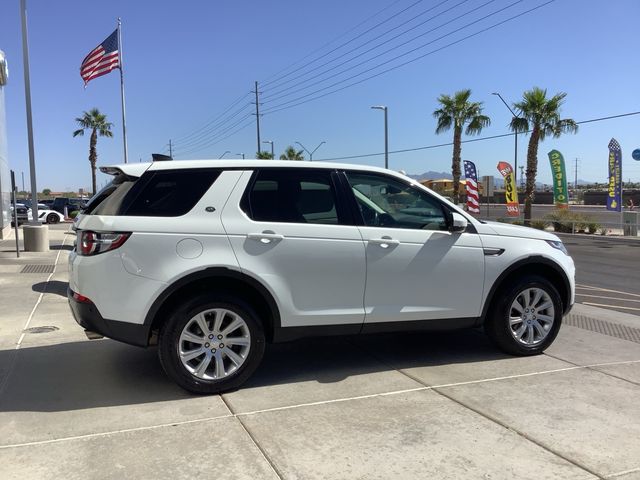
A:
(211, 259)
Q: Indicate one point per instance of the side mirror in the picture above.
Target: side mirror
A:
(458, 223)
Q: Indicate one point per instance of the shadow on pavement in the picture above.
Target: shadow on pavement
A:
(80, 375)
(52, 286)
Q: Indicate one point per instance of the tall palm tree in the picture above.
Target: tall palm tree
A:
(541, 116)
(456, 112)
(292, 154)
(96, 122)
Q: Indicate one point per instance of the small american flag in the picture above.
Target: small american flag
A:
(471, 175)
(101, 60)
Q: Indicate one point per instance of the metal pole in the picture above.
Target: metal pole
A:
(27, 94)
(15, 212)
(314, 150)
(386, 139)
(273, 155)
(23, 181)
(515, 136)
(257, 116)
(170, 149)
(124, 115)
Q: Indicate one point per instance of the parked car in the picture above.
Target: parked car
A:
(72, 204)
(23, 214)
(49, 216)
(212, 259)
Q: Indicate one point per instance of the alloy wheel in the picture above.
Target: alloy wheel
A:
(214, 344)
(531, 316)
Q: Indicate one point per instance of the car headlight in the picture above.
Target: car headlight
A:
(557, 244)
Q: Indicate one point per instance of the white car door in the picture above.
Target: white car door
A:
(289, 231)
(416, 268)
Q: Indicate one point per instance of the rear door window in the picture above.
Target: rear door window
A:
(293, 196)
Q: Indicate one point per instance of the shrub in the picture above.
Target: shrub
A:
(539, 224)
(74, 214)
(593, 227)
(566, 221)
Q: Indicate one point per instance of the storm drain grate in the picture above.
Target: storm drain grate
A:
(603, 327)
(35, 268)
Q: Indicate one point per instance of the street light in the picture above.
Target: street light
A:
(515, 136)
(273, 156)
(228, 151)
(314, 150)
(240, 154)
(386, 134)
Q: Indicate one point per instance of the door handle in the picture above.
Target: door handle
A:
(266, 237)
(385, 242)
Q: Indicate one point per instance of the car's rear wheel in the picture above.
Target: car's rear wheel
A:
(527, 317)
(53, 218)
(211, 344)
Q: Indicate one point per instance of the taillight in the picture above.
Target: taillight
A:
(93, 243)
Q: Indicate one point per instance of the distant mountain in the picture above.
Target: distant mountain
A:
(431, 175)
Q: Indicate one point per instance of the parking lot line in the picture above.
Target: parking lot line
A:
(324, 402)
(589, 287)
(625, 472)
(610, 306)
(608, 298)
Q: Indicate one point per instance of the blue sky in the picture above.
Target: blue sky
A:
(187, 62)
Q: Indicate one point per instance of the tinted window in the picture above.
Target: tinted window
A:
(296, 196)
(120, 182)
(168, 193)
(385, 201)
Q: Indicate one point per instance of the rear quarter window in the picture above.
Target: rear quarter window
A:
(168, 193)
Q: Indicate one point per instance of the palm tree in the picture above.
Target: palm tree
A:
(264, 155)
(292, 154)
(96, 122)
(541, 116)
(456, 112)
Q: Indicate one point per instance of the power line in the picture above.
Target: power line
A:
(203, 137)
(283, 106)
(479, 139)
(209, 141)
(224, 138)
(394, 48)
(344, 34)
(349, 41)
(314, 70)
(235, 102)
(188, 137)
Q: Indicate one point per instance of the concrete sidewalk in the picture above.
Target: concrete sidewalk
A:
(390, 406)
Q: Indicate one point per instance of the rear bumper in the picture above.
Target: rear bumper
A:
(87, 316)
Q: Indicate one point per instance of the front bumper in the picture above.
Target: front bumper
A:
(87, 316)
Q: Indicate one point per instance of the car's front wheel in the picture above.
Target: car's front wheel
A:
(53, 218)
(211, 344)
(526, 317)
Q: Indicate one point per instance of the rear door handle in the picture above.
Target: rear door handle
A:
(385, 242)
(265, 237)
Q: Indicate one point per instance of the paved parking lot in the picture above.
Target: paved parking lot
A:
(391, 406)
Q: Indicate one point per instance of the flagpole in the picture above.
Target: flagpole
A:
(124, 122)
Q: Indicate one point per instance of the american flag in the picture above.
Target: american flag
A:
(471, 175)
(101, 60)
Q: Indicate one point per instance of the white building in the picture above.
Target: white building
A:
(5, 176)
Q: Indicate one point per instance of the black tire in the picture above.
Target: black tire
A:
(169, 340)
(497, 325)
(53, 218)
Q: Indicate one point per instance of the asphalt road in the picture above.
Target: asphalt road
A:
(607, 271)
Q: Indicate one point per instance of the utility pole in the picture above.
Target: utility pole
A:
(23, 182)
(257, 115)
(575, 184)
(170, 149)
